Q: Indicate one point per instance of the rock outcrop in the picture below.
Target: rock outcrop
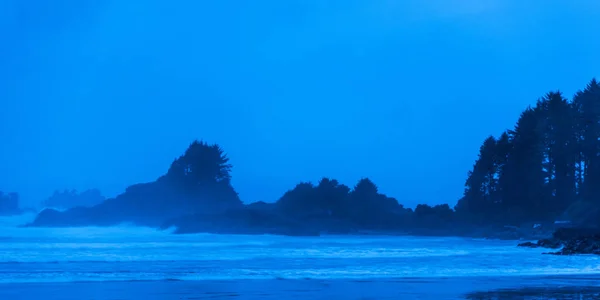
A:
(570, 241)
(198, 182)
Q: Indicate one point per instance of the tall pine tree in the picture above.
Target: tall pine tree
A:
(481, 184)
(587, 125)
(560, 151)
(523, 178)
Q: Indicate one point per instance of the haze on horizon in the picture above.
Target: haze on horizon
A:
(105, 94)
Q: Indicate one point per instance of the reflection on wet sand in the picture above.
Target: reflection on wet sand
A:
(535, 293)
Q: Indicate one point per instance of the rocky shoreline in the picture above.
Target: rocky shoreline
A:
(570, 241)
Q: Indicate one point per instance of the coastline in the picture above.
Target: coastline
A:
(482, 234)
(519, 287)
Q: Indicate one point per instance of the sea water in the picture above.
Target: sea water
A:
(133, 254)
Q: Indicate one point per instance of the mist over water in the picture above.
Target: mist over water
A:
(128, 253)
(10, 223)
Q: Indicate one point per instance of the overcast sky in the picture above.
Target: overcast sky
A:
(107, 93)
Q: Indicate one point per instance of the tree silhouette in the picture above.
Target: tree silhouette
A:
(540, 168)
(200, 164)
(559, 151)
(363, 205)
(332, 197)
(482, 182)
(328, 199)
(202, 176)
(586, 103)
(439, 216)
(370, 208)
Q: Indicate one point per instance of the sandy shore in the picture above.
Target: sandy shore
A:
(565, 287)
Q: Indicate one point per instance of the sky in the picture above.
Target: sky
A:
(106, 93)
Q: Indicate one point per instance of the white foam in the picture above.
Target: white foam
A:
(137, 253)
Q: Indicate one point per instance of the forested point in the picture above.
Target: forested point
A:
(546, 168)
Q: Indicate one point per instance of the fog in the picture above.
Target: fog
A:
(105, 94)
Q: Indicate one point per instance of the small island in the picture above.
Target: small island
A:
(527, 183)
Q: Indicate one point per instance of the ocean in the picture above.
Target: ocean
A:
(128, 262)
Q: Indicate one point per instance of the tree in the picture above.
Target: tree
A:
(504, 148)
(369, 208)
(560, 151)
(202, 179)
(201, 163)
(433, 217)
(522, 178)
(586, 104)
(481, 183)
(299, 200)
(328, 199)
(332, 197)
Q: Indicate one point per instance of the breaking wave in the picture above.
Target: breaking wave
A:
(129, 253)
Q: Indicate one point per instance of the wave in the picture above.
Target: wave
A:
(315, 274)
(11, 228)
(145, 254)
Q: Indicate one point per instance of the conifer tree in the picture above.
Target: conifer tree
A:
(587, 126)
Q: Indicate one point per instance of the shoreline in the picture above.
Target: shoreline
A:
(358, 233)
(592, 276)
(399, 288)
(402, 233)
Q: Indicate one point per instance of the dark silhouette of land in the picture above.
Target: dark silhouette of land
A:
(196, 182)
(545, 169)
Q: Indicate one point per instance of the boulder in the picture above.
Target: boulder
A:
(544, 243)
(580, 246)
(528, 245)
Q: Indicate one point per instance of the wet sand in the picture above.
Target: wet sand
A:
(513, 287)
(540, 293)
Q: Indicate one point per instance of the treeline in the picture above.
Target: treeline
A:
(547, 163)
(362, 206)
(196, 195)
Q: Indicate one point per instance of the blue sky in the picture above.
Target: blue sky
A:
(107, 93)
